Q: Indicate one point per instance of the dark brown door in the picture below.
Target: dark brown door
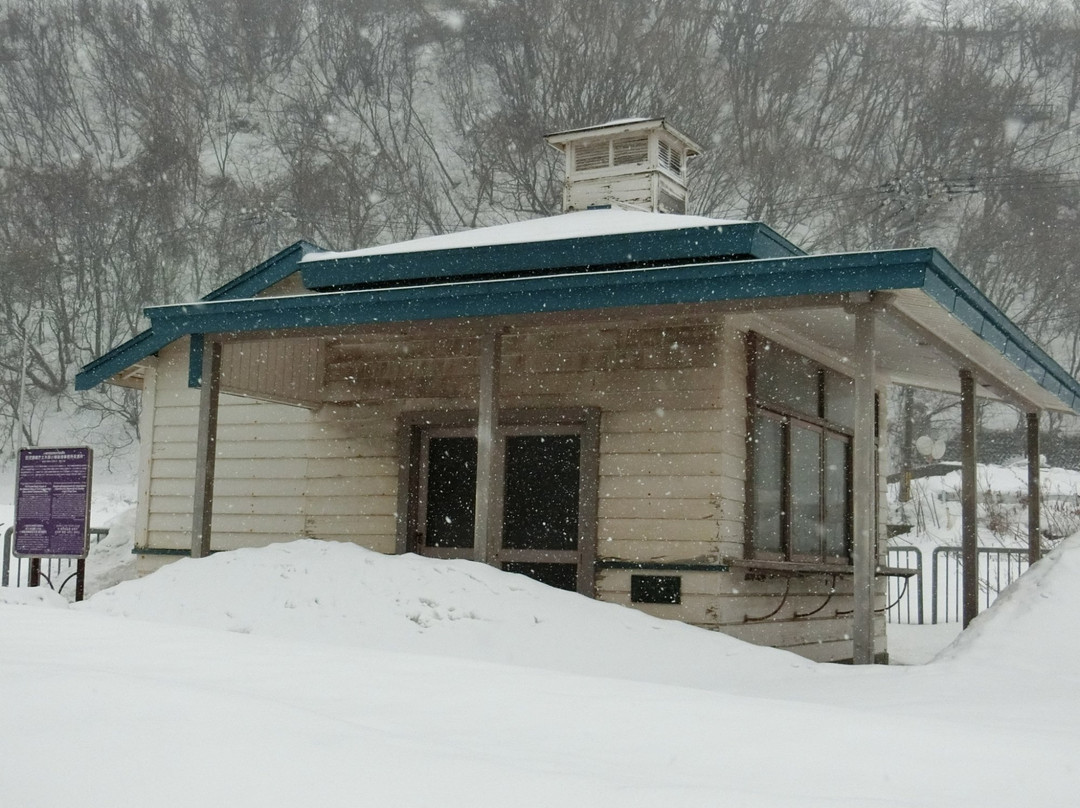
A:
(541, 503)
(446, 497)
(540, 490)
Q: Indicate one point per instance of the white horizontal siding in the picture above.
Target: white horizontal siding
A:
(671, 482)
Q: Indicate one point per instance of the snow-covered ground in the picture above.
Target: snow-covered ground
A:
(321, 674)
(314, 673)
(934, 508)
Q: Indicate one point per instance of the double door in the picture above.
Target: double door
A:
(544, 493)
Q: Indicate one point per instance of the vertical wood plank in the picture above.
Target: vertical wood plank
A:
(1034, 501)
(864, 548)
(969, 531)
(487, 418)
(203, 504)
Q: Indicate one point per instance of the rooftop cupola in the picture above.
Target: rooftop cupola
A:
(638, 164)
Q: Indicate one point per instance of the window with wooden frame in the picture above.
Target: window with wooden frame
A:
(798, 491)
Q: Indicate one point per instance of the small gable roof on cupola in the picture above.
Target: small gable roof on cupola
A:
(622, 126)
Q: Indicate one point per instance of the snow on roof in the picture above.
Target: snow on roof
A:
(580, 224)
(604, 125)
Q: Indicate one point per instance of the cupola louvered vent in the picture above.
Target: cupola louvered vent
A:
(590, 156)
(629, 151)
(637, 164)
(670, 157)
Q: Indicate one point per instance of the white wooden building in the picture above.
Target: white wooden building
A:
(674, 413)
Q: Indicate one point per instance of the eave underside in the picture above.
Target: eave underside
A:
(918, 344)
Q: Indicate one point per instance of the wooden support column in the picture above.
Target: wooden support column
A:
(1034, 500)
(206, 449)
(486, 446)
(969, 529)
(864, 455)
(907, 445)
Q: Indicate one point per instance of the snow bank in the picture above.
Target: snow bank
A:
(111, 559)
(340, 593)
(37, 596)
(1035, 623)
(351, 695)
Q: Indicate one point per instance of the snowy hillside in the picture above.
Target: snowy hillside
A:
(321, 674)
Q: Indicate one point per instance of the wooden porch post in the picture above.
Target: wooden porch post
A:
(205, 453)
(864, 479)
(969, 542)
(1034, 502)
(486, 421)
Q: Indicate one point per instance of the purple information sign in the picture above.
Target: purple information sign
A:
(52, 503)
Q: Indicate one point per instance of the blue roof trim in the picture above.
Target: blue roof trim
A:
(687, 283)
(261, 277)
(700, 244)
(924, 269)
(959, 296)
(146, 343)
(767, 243)
(120, 358)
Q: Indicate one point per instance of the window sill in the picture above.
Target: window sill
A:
(795, 569)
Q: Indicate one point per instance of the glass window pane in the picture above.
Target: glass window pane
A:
(837, 496)
(768, 450)
(839, 399)
(560, 576)
(783, 377)
(451, 492)
(542, 482)
(805, 492)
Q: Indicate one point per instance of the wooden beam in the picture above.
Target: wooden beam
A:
(206, 450)
(969, 529)
(486, 447)
(864, 549)
(1034, 500)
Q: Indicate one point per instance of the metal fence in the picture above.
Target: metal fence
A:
(56, 572)
(998, 567)
(907, 597)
